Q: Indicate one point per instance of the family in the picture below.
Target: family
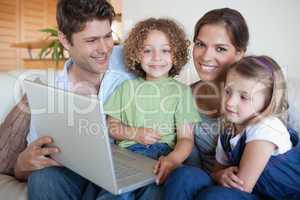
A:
(225, 136)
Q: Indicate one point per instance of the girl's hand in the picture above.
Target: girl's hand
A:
(146, 136)
(228, 178)
(163, 168)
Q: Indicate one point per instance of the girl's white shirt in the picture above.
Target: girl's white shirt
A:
(270, 129)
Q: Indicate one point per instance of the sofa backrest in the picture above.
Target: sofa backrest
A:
(10, 93)
(12, 89)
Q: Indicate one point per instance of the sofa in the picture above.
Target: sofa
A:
(12, 90)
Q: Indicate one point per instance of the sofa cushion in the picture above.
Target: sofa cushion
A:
(12, 189)
(11, 93)
(13, 133)
(294, 104)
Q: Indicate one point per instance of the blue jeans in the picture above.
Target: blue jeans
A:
(221, 193)
(153, 151)
(188, 183)
(60, 183)
(149, 192)
(185, 182)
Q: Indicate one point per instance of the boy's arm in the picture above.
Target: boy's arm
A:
(254, 159)
(121, 131)
(183, 148)
(184, 144)
(118, 130)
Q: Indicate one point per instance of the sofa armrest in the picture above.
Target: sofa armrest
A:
(12, 189)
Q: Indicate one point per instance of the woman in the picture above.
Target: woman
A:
(220, 39)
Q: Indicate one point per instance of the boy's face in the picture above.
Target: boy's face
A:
(156, 56)
(244, 98)
(92, 46)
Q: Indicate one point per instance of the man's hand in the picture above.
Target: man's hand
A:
(34, 157)
(228, 178)
(146, 136)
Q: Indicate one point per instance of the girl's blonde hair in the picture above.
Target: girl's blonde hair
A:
(137, 36)
(266, 70)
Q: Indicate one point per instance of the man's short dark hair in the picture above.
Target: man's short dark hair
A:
(72, 15)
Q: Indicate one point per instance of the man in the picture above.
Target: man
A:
(95, 67)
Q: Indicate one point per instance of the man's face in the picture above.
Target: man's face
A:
(92, 46)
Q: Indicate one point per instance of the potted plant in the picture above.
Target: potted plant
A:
(51, 52)
(54, 49)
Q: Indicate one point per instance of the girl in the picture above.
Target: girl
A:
(148, 114)
(257, 144)
(257, 157)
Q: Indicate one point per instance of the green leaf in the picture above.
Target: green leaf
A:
(52, 31)
(47, 52)
(55, 48)
(41, 53)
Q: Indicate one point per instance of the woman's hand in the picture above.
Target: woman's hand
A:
(34, 157)
(228, 178)
(163, 168)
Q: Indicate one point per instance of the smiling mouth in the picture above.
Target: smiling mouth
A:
(156, 66)
(99, 59)
(208, 68)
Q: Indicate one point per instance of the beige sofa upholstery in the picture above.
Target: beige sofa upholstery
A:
(10, 188)
(11, 92)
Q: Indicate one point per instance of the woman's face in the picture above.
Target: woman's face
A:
(213, 51)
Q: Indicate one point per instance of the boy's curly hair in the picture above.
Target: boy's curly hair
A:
(135, 41)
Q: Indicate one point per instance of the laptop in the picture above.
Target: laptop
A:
(78, 127)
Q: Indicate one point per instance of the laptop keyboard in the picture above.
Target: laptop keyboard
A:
(122, 156)
(123, 170)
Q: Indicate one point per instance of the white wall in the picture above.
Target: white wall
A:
(274, 27)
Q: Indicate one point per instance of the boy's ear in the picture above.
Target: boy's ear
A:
(139, 57)
(63, 40)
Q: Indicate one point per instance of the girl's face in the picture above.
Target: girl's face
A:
(213, 51)
(244, 98)
(156, 56)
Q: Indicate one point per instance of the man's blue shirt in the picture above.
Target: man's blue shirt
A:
(113, 77)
